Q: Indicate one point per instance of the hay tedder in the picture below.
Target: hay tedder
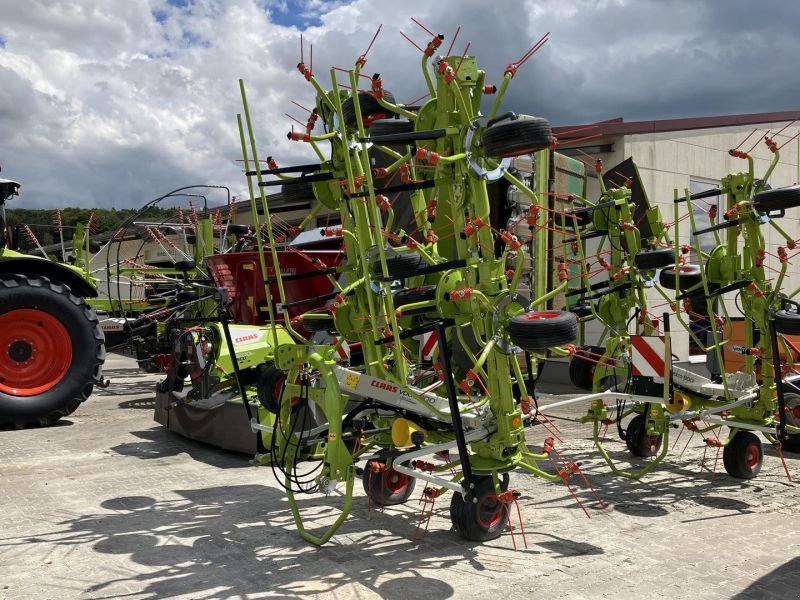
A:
(449, 343)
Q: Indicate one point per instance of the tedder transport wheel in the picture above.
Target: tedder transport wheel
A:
(369, 108)
(787, 319)
(482, 520)
(638, 442)
(690, 275)
(654, 259)
(743, 457)
(51, 351)
(517, 137)
(542, 329)
(386, 487)
(581, 368)
(792, 402)
(777, 199)
(401, 266)
(390, 127)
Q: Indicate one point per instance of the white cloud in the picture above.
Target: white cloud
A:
(113, 103)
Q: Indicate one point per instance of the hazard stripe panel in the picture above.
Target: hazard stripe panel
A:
(648, 354)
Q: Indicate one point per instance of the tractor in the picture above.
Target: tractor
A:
(53, 348)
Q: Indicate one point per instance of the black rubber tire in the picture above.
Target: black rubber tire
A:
(581, 311)
(584, 219)
(269, 385)
(484, 520)
(87, 345)
(777, 199)
(298, 192)
(637, 440)
(390, 127)
(319, 321)
(387, 487)
(426, 293)
(581, 370)
(743, 456)
(369, 107)
(539, 330)
(787, 321)
(515, 138)
(690, 275)
(400, 266)
(654, 259)
(792, 402)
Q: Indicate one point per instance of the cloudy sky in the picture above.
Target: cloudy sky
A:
(115, 102)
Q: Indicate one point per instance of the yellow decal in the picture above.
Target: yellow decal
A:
(352, 380)
(332, 437)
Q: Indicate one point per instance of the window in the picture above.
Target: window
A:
(701, 208)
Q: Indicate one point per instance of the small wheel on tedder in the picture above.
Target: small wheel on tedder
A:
(638, 442)
(487, 517)
(743, 456)
(385, 486)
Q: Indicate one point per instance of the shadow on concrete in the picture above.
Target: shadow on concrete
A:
(221, 541)
(161, 443)
(669, 487)
(139, 404)
(783, 582)
(242, 540)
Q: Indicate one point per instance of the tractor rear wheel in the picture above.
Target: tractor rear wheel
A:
(51, 351)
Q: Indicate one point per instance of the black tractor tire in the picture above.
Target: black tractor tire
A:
(637, 440)
(581, 368)
(743, 456)
(385, 486)
(426, 293)
(654, 259)
(53, 351)
(777, 199)
(369, 107)
(515, 138)
(485, 519)
(400, 266)
(690, 275)
(298, 192)
(539, 330)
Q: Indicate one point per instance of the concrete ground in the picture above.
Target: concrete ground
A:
(110, 505)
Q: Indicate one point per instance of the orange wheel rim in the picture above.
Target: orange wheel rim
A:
(35, 352)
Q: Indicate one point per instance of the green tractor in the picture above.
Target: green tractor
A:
(53, 348)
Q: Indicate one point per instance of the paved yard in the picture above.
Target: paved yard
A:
(110, 505)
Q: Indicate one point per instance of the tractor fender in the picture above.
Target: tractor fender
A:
(56, 272)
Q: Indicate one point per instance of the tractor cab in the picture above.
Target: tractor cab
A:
(8, 189)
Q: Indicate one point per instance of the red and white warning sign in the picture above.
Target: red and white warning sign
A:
(648, 355)
(427, 345)
(342, 351)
